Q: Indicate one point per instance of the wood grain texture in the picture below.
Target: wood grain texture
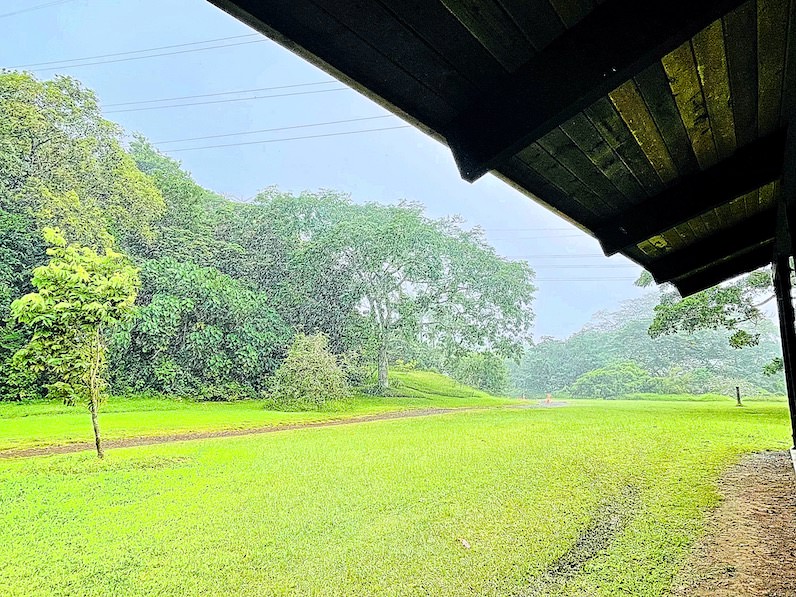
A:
(634, 112)
(686, 87)
(585, 135)
(653, 85)
(569, 155)
(495, 29)
(711, 61)
(545, 165)
(437, 27)
(740, 46)
(530, 182)
(536, 19)
(772, 26)
(381, 28)
(604, 117)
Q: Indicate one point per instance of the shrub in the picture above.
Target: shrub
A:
(485, 371)
(309, 377)
(611, 381)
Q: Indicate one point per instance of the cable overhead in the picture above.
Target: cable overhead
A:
(242, 43)
(586, 266)
(226, 101)
(584, 279)
(216, 94)
(36, 7)
(127, 53)
(339, 134)
(281, 128)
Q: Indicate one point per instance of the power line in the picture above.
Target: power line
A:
(241, 43)
(389, 128)
(216, 94)
(282, 128)
(127, 53)
(569, 228)
(32, 8)
(560, 256)
(226, 101)
(586, 266)
(550, 236)
(585, 279)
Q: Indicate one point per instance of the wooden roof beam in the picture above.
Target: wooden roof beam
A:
(749, 168)
(615, 42)
(735, 265)
(744, 236)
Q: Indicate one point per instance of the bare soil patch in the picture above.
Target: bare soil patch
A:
(197, 435)
(750, 547)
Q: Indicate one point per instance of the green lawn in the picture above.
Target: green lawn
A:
(380, 508)
(42, 423)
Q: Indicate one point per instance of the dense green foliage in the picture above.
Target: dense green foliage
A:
(486, 371)
(310, 376)
(226, 285)
(381, 508)
(81, 295)
(697, 362)
(199, 332)
(731, 307)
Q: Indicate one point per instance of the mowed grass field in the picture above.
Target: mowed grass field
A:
(36, 424)
(596, 498)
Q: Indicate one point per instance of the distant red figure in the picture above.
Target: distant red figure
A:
(547, 398)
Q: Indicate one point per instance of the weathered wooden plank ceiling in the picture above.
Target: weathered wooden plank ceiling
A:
(656, 126)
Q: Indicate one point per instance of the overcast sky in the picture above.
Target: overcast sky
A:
(574, 278)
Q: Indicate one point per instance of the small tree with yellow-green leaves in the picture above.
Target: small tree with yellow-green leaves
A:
(81, 293)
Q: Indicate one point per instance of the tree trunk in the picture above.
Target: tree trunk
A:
(94, 391)
(738, 396)
(384, 381)
(95, 422)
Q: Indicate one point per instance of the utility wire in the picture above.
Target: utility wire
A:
(127, 53)
(585, 266)
(525, 229)
(225, 101)
(559, 256)
(241, 43)
(389, 128)
(31, 8)
(218, 93)
(281, 128)
(584, 279)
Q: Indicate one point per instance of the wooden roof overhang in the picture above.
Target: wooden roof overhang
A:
(658, 126)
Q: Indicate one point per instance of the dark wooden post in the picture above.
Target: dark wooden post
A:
(787, 330)
(738, 396)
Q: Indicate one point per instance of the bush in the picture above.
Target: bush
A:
(485, 371)
(611, 381)
(309, 377)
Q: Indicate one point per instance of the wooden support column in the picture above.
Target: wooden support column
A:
(787, 330)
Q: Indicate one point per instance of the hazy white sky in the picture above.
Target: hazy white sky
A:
(574, 278)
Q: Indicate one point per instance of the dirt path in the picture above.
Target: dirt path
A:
(750, 548)
(194, 435)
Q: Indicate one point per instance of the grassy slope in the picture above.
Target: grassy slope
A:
(42, 423)
(379, 508)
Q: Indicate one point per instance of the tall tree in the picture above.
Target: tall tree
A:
(81, 294)
(429, 279)
(62, 164)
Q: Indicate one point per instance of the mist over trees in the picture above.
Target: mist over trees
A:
(614, 355)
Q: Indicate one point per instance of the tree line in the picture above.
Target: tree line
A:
(642, 348)
(222, 289)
